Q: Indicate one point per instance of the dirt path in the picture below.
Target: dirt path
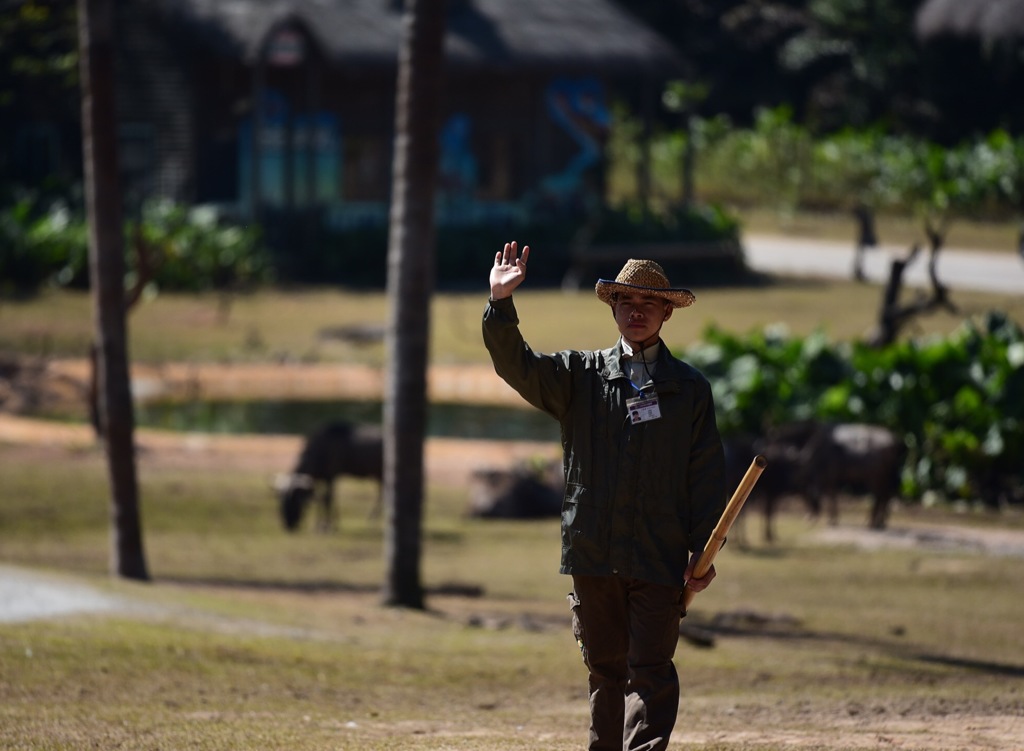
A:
(448, 461)
(465, 384)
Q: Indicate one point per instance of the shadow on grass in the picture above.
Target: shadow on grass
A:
(702, 632)
(315, 587)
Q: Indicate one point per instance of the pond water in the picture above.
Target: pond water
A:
(301, 417)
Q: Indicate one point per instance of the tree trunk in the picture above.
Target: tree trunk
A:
(106, 268)
(409, 287)
(892, 315)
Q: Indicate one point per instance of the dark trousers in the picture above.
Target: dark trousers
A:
(627, 630)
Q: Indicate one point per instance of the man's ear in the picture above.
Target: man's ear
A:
(668, 311)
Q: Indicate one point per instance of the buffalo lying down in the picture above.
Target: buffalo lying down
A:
(336, 448)
(523, 491)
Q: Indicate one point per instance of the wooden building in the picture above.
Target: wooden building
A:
(286, 107)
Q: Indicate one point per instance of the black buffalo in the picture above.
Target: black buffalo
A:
(818, 461)
(828, 459)
(774, 485)
(523, 491)
(336, 448)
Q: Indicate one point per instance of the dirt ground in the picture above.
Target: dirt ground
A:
(451, 461)
(448, 461)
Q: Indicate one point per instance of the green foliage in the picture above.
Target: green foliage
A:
(39, 244)
(682, 96)
(768, 164)
(190, 250)
(781, 163)
(632, 223)
(196, 251)
(958, 401)
(357, 257)
(39, 98)
(40, 47)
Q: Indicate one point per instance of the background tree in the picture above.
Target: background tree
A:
(860, 62)
(409, 288)
(38, 82)
(973, 64)
(106, 264)
(841, 63)
(731, 45)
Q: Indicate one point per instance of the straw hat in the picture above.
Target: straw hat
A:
(645, 277)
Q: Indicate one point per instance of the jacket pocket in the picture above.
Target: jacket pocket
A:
(577, 626)
(586, 530)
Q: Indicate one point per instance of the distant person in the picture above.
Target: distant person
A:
(866, 238)
(644, 469)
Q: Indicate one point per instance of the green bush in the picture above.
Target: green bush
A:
(782, 164)
(38, 245)
(190, 250)
(632, 224)
(195, 250)
(957, 401)
(358, 257)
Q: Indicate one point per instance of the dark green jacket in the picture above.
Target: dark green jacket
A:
(638, 498)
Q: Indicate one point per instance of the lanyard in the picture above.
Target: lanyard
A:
(629, 376)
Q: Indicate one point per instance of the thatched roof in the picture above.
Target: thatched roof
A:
(489, 34)
(988, 20)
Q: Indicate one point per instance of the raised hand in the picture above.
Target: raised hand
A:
(508, 271)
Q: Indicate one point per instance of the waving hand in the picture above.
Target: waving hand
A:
(508, 272)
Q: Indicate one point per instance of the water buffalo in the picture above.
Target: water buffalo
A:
(823, 460)
(334, 449)
(858, 458)
(774, 485)
(524, 491)
(818, 461)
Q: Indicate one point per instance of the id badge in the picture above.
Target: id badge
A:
(643, 409)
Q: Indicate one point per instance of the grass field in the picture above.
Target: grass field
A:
(250, 639)
(296, 324)
(289, 326)
(891, 230)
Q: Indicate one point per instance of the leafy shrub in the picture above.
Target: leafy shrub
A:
(358, 257)
(958, 401)
(191, 249)
(37, 244)
(632, 224)
(780, 163)
(196, 251)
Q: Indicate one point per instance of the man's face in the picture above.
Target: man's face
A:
(639, 316)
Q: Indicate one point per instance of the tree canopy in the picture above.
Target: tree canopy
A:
(840, 64)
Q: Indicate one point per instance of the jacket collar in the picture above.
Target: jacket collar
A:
(668, 374)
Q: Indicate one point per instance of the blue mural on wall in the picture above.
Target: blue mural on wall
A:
(458, 197)
(319, 131)
(578, 106)
(457, 179)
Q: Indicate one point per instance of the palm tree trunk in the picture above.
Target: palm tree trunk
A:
(409, 288)
(106, 268)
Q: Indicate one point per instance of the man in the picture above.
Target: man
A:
(644, 470)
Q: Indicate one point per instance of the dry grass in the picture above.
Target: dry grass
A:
(250, 638)
(285, 326)
(892, 230)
